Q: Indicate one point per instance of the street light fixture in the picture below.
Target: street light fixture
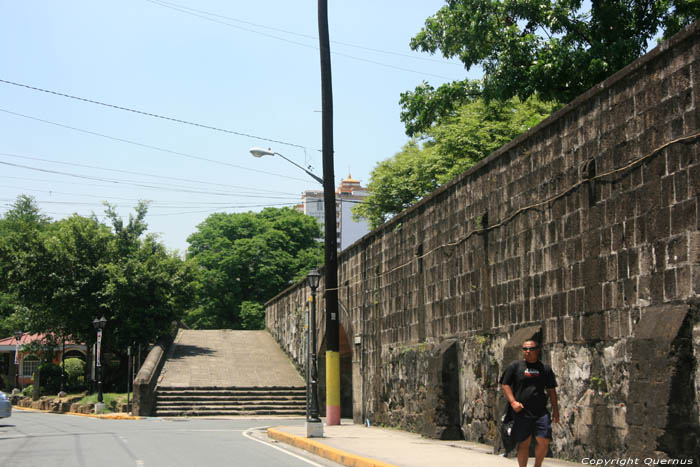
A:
(314, 426)
(99, 325)
(18, 338)
(330, 256)
(260, 152)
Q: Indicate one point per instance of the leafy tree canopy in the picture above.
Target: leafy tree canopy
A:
(555, 49)
(446, 150)
(59, 276)
(245, 259)
(20, 231)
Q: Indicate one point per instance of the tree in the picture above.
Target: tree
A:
(59, 276)
(554, 49)
(63, 289)
(446, 150)
(245, 259)
(20, 247)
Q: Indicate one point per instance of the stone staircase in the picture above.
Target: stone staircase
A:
(225, 372)
(208, 401)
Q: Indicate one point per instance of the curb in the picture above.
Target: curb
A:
(115, 416)
(327, 452)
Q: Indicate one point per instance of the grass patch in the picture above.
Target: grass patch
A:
(111, 400)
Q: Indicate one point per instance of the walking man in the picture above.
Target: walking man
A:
(526, 384)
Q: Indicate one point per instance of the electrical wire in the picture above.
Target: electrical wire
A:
(307, 36)
(150, 114)
(253, 189)
(386, 65)
(155, 148)
(133, 183)
(156, 204)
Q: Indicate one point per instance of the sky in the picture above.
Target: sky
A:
(243, 74)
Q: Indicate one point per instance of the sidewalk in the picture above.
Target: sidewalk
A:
(359, 446)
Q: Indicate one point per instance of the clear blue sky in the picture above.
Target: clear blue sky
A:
(211, 70)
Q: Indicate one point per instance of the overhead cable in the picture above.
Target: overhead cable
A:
(138, 184)
(307, 36)
(149, 114)
(253, 189)
(147, 146)
(386, 65)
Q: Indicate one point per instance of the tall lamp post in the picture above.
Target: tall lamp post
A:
(330, 241)
(314, 427)
(18, 338)
(99, 325)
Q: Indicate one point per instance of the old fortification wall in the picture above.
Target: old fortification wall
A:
(583, 232)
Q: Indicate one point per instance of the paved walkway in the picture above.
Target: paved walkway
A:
(359, 446)
(225, 358)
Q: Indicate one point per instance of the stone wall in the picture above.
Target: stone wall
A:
(583, 232)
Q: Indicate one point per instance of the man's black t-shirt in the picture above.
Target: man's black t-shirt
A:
(529, 382)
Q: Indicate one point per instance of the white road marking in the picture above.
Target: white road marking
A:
(249, 436)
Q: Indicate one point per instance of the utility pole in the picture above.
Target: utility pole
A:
(331, 239)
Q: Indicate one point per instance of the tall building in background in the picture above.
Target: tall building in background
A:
(349, 193)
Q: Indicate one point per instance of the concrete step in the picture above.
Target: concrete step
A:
(197, 397)
(231, 388)
(185, 412)
(236, 392)
(251, 404)
(193, 401)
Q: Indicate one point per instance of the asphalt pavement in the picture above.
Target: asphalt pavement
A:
(40, 439)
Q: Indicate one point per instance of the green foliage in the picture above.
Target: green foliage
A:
(252, 315)
(75, 373)
(50, 378)
(555, 49)
(20, 248)
(248, 257)
(28, 391)
(59, 276)
(449, 148)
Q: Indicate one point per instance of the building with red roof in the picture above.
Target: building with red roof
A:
(12, 357)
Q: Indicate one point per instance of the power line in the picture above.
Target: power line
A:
(156, 204)
(132, 183)
(149, 114)
(147, 146)
(143, 174)
(386, 65)
(227, 206)
(307, 36)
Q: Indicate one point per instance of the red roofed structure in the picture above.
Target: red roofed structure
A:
(12, 357)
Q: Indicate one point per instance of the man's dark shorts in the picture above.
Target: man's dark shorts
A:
(525, 426)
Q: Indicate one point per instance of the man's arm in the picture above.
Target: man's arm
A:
(517, 406)
(555, 404)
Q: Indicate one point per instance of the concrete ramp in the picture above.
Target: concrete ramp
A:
(226, 358)
(226, 372)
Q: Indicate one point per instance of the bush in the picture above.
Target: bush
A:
(28, 390)
(75, 373)
(50, 378)
(252, 315)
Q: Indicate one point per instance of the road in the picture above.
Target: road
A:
(40, 439)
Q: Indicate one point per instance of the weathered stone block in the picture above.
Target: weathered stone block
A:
(683, 216)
